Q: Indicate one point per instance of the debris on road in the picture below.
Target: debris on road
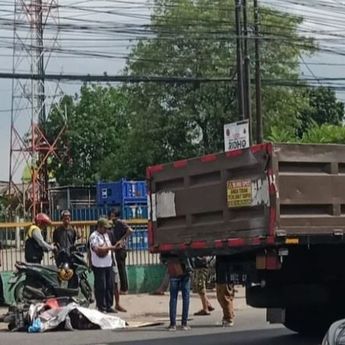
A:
(58, 314)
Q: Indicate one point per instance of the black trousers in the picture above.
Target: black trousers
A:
(33, 261)
(104, 287)
(121, 256)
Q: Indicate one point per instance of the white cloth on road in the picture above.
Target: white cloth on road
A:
(53, 318)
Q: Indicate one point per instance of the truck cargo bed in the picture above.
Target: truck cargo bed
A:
(247, 197)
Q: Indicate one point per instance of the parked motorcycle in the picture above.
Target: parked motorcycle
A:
(38, 282)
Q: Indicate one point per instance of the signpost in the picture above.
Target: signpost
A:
(236, 135)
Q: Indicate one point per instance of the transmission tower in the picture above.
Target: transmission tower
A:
(35, 38)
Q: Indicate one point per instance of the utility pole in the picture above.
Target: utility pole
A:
(247, 88)
(259, 122)
(240, 90)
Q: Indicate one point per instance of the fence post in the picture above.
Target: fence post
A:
(17, 234)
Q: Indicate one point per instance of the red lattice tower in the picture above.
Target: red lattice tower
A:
(35, 38)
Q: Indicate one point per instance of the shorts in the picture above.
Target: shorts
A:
(199, 280)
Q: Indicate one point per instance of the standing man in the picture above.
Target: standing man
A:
(225, 289)
(200, 274)
(102, 266)
(179, 270)
(121, 232)
(35, 245)
(65, 236)
(116, 279)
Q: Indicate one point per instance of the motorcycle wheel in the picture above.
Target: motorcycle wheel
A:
(86, 292)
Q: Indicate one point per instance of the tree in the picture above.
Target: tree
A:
(115, 132)
(196, 38)
(96, 128)
(323, 108)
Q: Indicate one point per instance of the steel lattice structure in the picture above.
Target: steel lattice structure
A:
(35, 37)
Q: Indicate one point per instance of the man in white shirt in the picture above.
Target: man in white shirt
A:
(101, 261)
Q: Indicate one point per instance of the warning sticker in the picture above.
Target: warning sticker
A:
(239, 193)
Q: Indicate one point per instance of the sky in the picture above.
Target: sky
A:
(100, 33)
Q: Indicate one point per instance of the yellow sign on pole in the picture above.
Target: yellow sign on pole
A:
(239, 193)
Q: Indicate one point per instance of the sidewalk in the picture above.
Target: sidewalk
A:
(148, 308)
(145, 307)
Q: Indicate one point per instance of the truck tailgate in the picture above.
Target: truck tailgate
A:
(311, 184)
(211, 200)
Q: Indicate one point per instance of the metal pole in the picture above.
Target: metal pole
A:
(238, 6)
(247, 92)
(259, 122)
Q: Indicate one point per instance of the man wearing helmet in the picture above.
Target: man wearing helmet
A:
(65, 236)
(35, 245)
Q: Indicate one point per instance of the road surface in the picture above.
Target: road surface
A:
(250, 329)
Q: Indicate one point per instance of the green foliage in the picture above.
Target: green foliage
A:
(197, 38)
(282, 135)
(116, 132)
(323, 108)
(96, 127)
(325, 134)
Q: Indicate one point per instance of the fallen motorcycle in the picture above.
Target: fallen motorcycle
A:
(38, 282)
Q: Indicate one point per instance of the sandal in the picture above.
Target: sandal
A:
(119, 308)
(202, 312)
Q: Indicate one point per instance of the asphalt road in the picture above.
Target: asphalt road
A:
(250, 329)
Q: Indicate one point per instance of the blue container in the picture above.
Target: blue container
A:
(134, 212)
(138, 240)
(82, 214)
(121, 192)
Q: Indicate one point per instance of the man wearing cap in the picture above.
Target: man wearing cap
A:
(101, 261)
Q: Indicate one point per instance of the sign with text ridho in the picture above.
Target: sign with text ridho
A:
(236, 135)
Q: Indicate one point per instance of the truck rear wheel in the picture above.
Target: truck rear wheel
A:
(307, 322)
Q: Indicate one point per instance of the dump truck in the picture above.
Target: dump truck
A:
(277, 209)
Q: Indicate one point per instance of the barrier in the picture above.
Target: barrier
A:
(12, 237)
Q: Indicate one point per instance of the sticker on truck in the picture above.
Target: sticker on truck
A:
(165, 202)
(247, 192)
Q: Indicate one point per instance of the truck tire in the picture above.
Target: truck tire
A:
(305, 322)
